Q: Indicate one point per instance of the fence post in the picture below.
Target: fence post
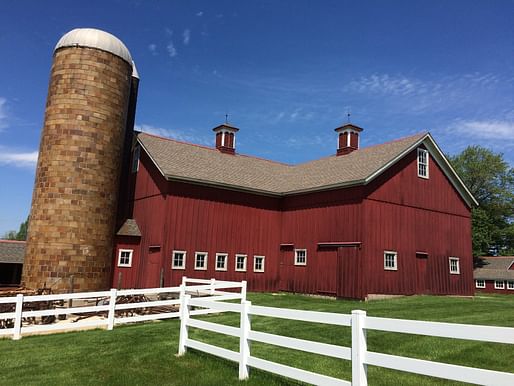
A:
(112, 309)
(244, 341)
(17, 317)
(243, 291)
(184, 279)
(359, 348)
(213, 283)
(184, 319)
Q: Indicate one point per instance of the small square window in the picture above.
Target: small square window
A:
(422, 163)
(241, 263)
(479, 283)
(135, 159)
(454, 265)
(499, 284)
(178, 260)
(200, 261)
(258, 263)
(510, 285)
(390, 260)
(125, 258)
(300, 257)
(221, 261)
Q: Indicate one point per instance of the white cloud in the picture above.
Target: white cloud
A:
(18, 159)
(492, 129)
(199, 13)
(3, 113)
(184, 135)
(386, 84)
(187, 36)
(168, 31)
(172, 51)
(152, 48)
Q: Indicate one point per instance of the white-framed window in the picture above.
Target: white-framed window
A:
(178, 260)
(125, 258)
(479, 283)
(510, 285)
(221, 261)
(135, 159)
(200, 261)
(258, 263)
(499, 284)
(390, 260)
(454, 265)
(241, 263)
(300, 257)
(422, 163)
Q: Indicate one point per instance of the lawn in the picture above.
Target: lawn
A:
(144, 354)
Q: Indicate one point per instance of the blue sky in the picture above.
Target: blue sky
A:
(286, 72)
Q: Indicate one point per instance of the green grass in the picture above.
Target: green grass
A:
(144, 354)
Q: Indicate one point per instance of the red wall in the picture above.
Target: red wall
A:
(489, 288)
(398, 211)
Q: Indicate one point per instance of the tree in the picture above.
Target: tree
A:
(491, 180)
(21, 234)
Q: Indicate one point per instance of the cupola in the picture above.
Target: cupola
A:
(226, 138)
(348, 140)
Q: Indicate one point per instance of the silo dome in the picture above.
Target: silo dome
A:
(95, 38)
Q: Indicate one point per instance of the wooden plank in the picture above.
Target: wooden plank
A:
(305, 316)
(145, 318)
(444, 330)
(219, 306)
(302, 345)
(213, 350)
(64, 326)
(440, 370)
(214, 327)
(77, 295)
(155, 303)
(294, 373)
(64, 311)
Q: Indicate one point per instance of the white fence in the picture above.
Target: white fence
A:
(357, 354)
(106, 305)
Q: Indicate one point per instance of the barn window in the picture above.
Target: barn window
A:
(258, 263)
(391, 260)
(125, 258)
(135, 159)
(241, 263)
(201, 261)
(300, 257)
(454, 265)
(499, 284)
(178, 260)
(221, 261)
(480, 283)
(422, 163)
(510, 285)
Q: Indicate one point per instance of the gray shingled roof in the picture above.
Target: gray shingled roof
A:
(495, 268)
(129, 228)
(183, 161)
(12, 251)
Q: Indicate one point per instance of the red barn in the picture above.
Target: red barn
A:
(496, 275)
(388, 219)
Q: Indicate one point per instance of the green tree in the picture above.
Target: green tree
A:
(21, 234)
(491, 180)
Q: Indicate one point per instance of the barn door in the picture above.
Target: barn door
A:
(421, 273)
(349, 274)
(152, 268)
(328, 271)
(286, 282)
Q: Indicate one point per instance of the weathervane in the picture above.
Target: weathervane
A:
(226, 119)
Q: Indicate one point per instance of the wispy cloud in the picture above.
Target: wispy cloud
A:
(152, 47)
(24, 160)
(172, 51)
(185, 135)
(187, 36)
(199, 13)
(485, 129)
(384, 84)
(3, 113)
(168, 31)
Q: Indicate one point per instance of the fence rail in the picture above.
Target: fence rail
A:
(357, 354)
(106, 305)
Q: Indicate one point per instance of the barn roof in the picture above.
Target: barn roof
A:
(12, 251)
(495, 268)
(199, 164)
(129, 228)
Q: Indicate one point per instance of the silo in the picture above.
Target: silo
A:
(73, 214)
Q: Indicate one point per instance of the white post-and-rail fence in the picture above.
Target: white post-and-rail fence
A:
(358, 354)
(211, 288)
